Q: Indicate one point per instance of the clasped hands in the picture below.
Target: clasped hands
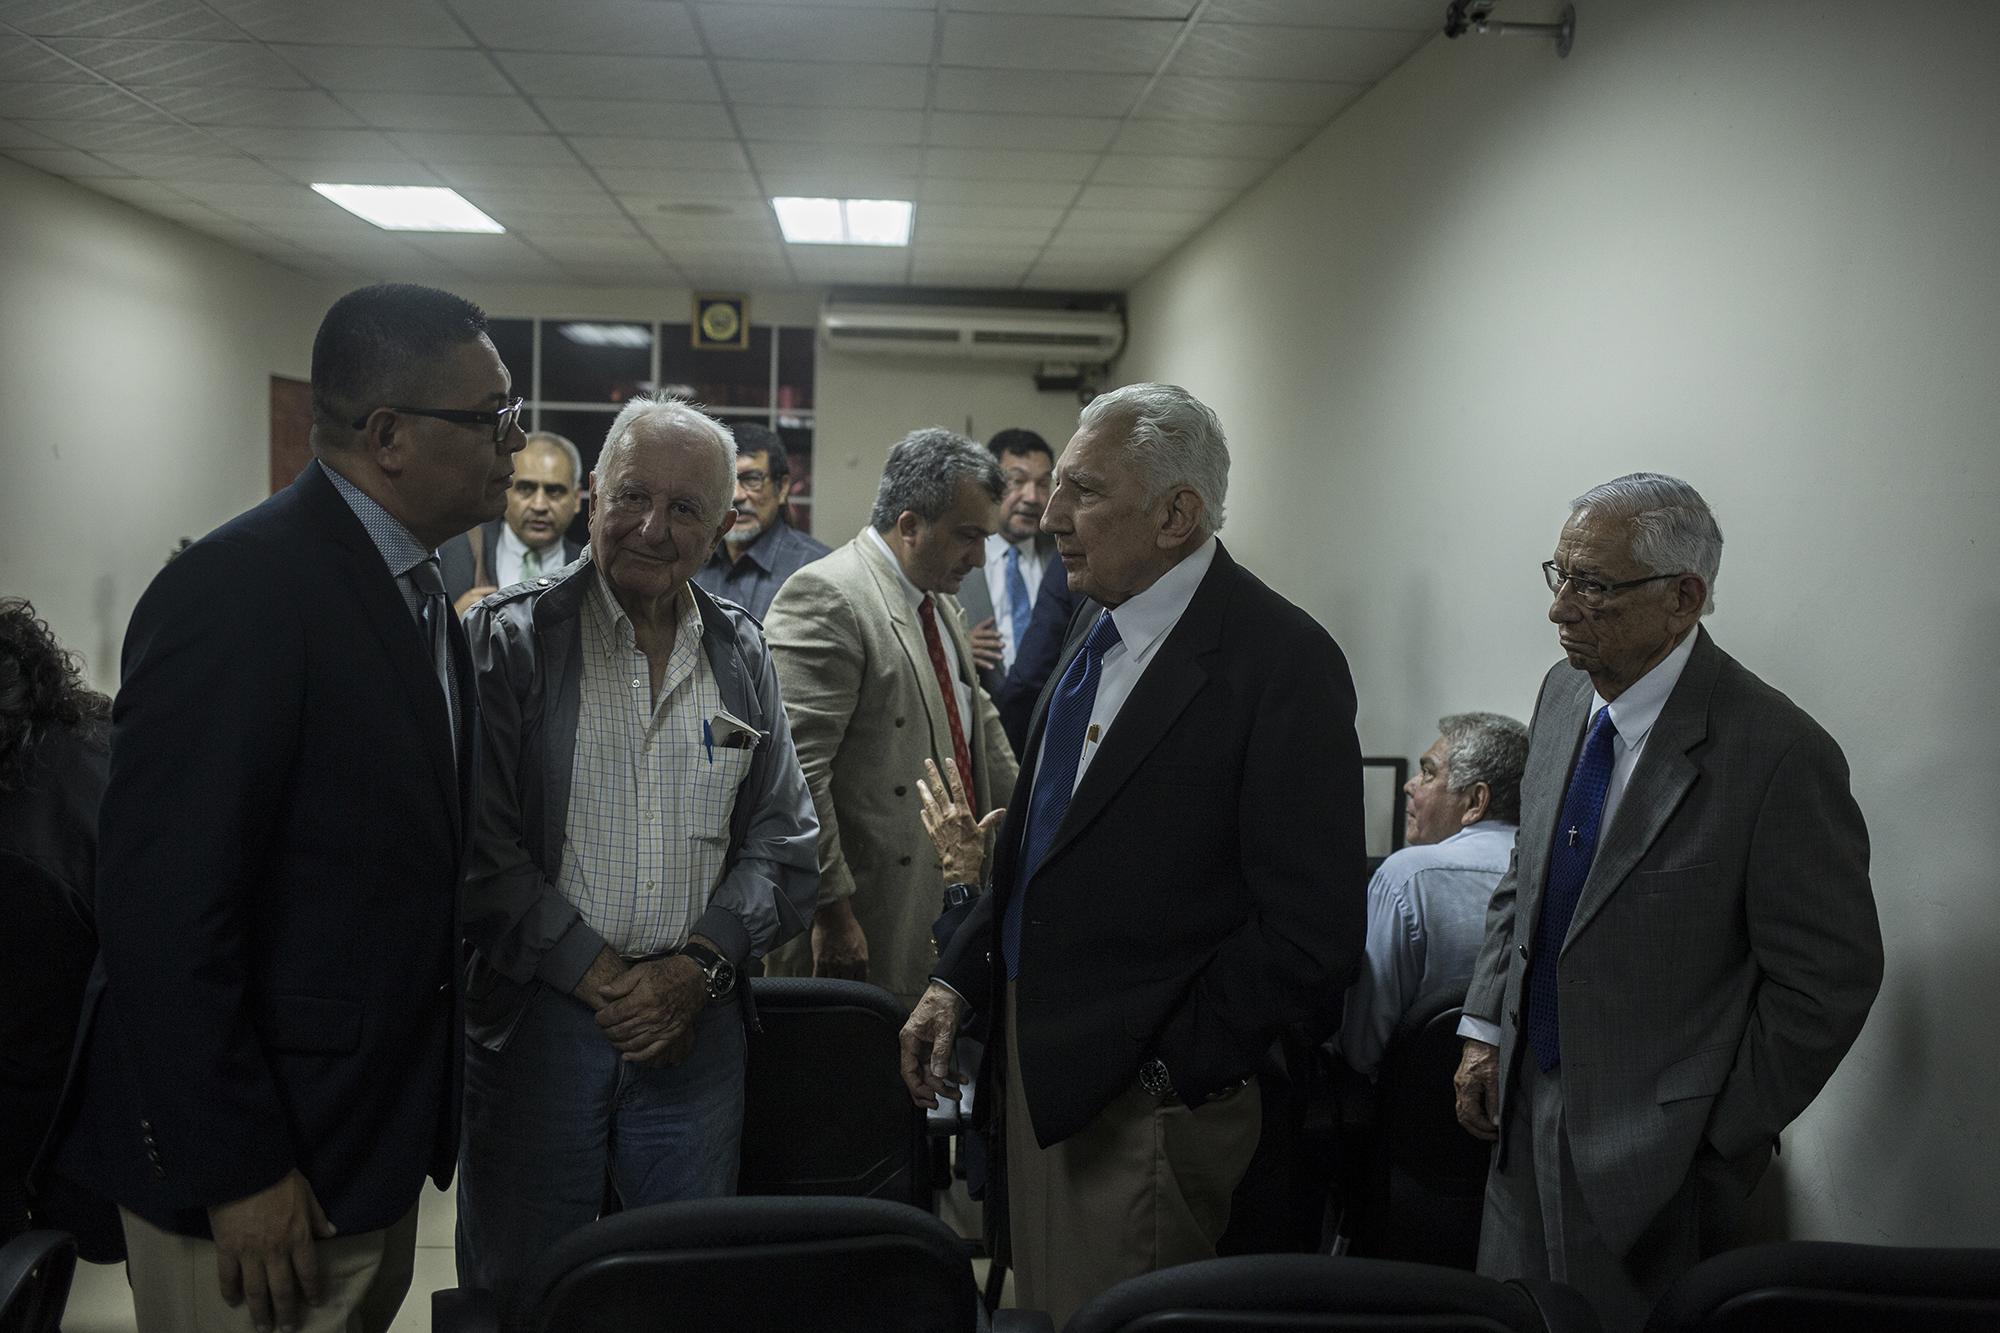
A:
(930, 1036)
(647, 1010)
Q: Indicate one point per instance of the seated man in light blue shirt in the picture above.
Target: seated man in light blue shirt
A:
(1427, 904)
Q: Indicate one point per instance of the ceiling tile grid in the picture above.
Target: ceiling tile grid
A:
(1046, 143)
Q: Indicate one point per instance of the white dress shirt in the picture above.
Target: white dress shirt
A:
(510, 551)
(961, 692)
(1144, 622)
(1633, 713)
(995, 573)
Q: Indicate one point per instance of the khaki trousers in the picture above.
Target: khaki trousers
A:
(1143, 1186)
(175, 1289)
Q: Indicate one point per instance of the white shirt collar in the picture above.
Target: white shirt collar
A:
(911, 592)
(1143, 621)
(1636, 710)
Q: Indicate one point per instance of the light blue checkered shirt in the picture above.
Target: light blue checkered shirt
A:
(400, 551)
(650, 800)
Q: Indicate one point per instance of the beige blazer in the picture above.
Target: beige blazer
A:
(866, 712)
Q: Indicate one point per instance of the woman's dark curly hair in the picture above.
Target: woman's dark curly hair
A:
(40, 686)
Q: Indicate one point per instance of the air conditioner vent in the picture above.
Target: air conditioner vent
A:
(1011, 333)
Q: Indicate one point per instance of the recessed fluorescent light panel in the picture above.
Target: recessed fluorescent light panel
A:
(607, 335)
(845, 221)
(410, 207)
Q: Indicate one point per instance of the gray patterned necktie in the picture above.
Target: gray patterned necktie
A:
(429, 581)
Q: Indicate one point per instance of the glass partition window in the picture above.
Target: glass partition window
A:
(577, 373)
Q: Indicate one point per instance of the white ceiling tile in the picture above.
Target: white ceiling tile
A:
(1173, 199)
(661, 154)
(1138, 9)
(625, 117)
(354, 22)
(1138, 249)
(1033, 193)
(963, 215)
(642, 187)
(1097, 45)
(630, 78)
(14, 135)
(578, 205)
(201, 105)
(25, 61)
(847, 263)
(342, 171)
(503, 174)
(366, 69)
(433, 111)
(1415, 15)
(264, 197)
(820, 161)
(208, 64)
(818, 32)
(433, 147)
(62, 162)
(119, 136)
(1344, 55)
(1165, 169)
(853, 183)
(72, 101)
(545, 230)
(181, 20)
(940, 238)
(1274, 101)
(1037, 91)
(1107, 223)
(1065, 277)
(835, 125)
(738, 255)
(603, 249)
(470, 249)
(347, 145)
(1073, 134)
(146, 194)
(967, 271)
(710, 232)
(1008, 164)
(1202, 138)
(629, 27)
(195, 168)
(801, 83)
(657, 272)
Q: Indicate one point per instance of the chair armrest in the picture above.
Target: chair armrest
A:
(464, 1310)
(1023, 1321)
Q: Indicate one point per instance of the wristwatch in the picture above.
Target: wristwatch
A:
(1154, 1079)
(721, 973)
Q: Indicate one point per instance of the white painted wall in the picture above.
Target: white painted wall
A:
(1751, 245)
(135, 365)
(867, 402)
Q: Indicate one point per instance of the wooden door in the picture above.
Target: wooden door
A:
(291, 430)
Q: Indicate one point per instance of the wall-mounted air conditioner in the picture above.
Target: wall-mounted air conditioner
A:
(985, 332)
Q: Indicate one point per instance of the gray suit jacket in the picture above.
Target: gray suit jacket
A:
(866, 712)
(976, 599)
(1725, 949)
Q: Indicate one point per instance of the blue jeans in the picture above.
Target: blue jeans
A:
(551, 1113)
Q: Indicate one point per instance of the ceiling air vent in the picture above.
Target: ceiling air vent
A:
(984, 332)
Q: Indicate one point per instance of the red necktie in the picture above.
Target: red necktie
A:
(927, 612)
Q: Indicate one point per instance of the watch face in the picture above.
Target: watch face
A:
(721, 978)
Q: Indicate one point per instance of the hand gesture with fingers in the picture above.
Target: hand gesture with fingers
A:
(947, 815)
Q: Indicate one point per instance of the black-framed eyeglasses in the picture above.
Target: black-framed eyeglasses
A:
(502, 421)
(1589, 591)
(752, 479)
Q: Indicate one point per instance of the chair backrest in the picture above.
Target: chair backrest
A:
(1420, 1130)
(35, 1273)
(1830, 1287)
(833, 1265)
(824, 1106)
(1317, 1292)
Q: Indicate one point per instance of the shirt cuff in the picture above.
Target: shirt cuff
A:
(1479, 1029)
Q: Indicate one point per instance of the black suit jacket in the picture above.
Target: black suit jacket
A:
(280, 850)
(1207, 886)
(455, 561)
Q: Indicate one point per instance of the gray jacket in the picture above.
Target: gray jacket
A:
(526, 643)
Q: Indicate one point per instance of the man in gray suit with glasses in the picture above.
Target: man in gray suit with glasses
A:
(1687, 944)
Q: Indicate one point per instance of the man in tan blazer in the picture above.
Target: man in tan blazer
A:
(864, 640)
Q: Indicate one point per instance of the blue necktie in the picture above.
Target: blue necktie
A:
(1017, 597)
(1055, 781)
(1569, 866)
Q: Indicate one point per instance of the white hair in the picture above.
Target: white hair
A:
(674, 414)
(1176, 438)
(1672, 530)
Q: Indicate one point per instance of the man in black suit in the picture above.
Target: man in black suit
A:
(272, 1060)
(1000, 601)
(532, 537)
(1180, 874)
